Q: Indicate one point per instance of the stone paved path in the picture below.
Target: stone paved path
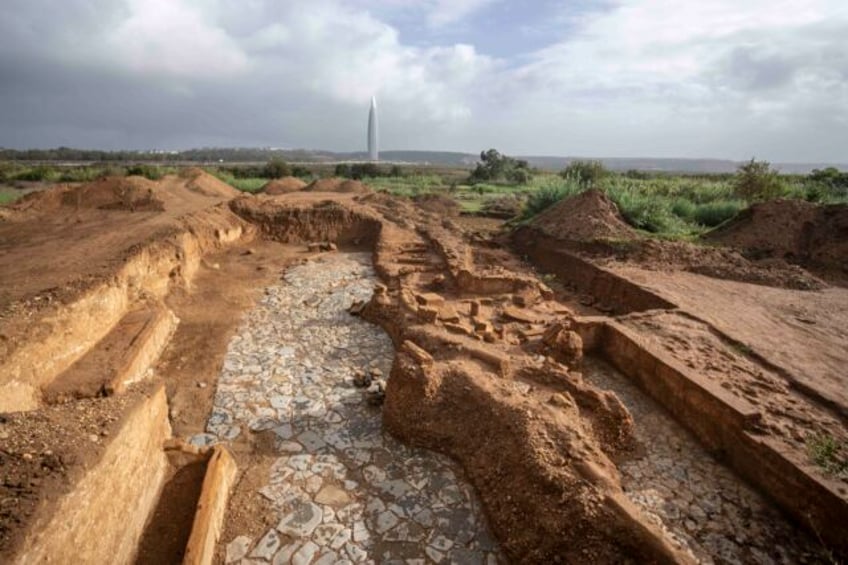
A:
(343, 491)
(698, 502)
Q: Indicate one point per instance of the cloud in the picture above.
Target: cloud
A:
(715, 78)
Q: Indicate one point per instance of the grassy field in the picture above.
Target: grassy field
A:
(674, 206)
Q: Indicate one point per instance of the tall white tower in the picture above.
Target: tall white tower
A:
(373, 152)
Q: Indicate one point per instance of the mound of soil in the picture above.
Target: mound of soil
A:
(440, 204)
(337, 185)
(110, 193)
(586, 216)
(202, 182)
(283, 186)
(794, 230)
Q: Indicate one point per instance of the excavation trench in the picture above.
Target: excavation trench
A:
(333, 486)
(697, 502)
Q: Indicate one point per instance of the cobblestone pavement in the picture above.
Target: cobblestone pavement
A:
(343, 491)
(699, 503)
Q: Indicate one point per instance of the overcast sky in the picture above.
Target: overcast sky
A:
(663, 78)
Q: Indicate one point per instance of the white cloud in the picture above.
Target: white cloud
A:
(716, 78)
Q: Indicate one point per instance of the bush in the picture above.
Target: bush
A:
(493, 166)
(684, 209)
(756, 180)
(713, 214)
(587, 172)
(151, 172)
(38, 173)
(276, 168)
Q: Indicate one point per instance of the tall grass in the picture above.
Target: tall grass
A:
(667, 206)
(550, 191)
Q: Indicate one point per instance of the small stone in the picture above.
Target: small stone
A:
(332, 495)
(267, 546)
(237, 549)
(361, 380)
(302, 521)
(305, 554)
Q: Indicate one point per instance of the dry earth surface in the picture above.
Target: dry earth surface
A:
(398, 384)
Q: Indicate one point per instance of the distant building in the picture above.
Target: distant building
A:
(373, 152)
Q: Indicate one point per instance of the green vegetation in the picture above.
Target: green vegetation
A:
(152, 172)
(494, 166)
(671, 206)
(756, 180)
(588, 172)
(829, 454)
(9, 195)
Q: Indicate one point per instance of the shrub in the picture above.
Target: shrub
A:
(38, 173)
(493, 166)
(712, 214)
(684, 209)
(756, 180)
(587, 172)
(152, 172)
(276, 168)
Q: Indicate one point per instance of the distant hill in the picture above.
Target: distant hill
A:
(233, 155)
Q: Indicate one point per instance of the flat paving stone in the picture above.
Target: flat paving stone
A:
(344, 490)
(699, 503)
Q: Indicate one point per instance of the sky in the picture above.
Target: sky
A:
(730, 79)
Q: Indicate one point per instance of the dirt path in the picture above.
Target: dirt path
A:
(699, 503)
(335, 487)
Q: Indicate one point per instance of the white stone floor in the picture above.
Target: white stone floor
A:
(342, 489)
(699, 503)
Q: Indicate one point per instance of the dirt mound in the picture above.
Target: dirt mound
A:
(337, 185)
(109, 193)
(283, 186)
(586, 216)
(437, 204)
(200, 181)
(794, 230)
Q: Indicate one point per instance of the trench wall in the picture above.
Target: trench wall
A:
(102, 518)
(55, 341)
(611, 290)
(726, 425)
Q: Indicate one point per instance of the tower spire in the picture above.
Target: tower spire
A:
(373, 151)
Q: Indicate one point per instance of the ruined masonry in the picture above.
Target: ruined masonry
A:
(343, 491)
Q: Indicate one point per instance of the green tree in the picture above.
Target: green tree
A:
(494, 166)
(757, 181)
(588, 173)
(342, 170)
(276, 168)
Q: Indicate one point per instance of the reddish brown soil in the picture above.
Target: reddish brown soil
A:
(43, 453)
(798, 231)
(58, 241)
(283, 186)
(169, 527)
(226, 285)
(343, 186)
(803, 333)
(587, 216)
(481, 343)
